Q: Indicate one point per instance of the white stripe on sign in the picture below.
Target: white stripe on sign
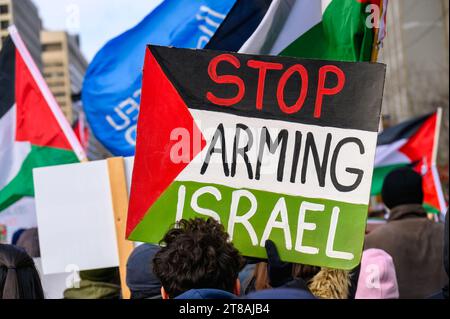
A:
(12, 153)
(344, 173)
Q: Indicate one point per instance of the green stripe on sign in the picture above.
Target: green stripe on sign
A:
(342, 35)
(379, 174)
(22, 185)
(349, 234)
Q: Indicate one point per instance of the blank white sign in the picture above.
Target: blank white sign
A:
(54, 285)
(129, 164)
(75, 217)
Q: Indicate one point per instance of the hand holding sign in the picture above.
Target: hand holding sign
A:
(274, 148)
(280, 273)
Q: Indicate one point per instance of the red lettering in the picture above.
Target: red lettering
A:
(322, 90)
(263, 68)
(300, 69)
(225, 79)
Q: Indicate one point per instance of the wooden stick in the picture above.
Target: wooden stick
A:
(436, 135)
(375, 47)
(119, 193)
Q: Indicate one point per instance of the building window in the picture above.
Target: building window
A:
(52, 47)
(4, 25)
(57, 84)
(54, 64)
(4, 9)
(60, 94)
(49, 75)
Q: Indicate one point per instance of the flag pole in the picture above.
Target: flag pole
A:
(435, 173)
(375, 48)
(119, 195)
(437, 135)
(48, 96)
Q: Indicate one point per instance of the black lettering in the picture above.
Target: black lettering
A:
(220, 134)
(298, 147)
(321, 168)
(242, 151)
(273, 146)
(355, 171)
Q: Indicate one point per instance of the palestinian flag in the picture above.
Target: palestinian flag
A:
(412, 143)
(81, 131)
(33, 130)
(320, 29)
(239, 145)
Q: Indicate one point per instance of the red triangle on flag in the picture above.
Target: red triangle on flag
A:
(155, 171)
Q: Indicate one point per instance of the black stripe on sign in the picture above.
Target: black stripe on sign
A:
(357, 106)
(7, 76)
(401, 131)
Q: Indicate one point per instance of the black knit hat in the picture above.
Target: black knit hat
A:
(141, 279)
(402, 186)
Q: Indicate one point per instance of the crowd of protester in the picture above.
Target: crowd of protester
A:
(405, 258)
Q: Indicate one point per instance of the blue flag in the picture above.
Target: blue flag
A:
(112, 86)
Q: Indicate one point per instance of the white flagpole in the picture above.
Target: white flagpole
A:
(437, 180)
(48, 96)
(436, 135)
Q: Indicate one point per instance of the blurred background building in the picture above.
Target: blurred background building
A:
(58, 56)
(25, 15)
(416, 51)
(64, 68)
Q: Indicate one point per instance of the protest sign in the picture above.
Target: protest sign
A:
(273, 148)
(81, 211)
(75, 217)
(54, 285)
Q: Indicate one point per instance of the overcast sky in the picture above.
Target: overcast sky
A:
(97, 21)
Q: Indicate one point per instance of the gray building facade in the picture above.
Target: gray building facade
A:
(25, 16)
(416, 51)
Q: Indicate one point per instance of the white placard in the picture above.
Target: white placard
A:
(129, 163)
(55, 285)
(75, 217)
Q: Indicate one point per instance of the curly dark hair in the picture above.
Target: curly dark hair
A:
(197, 254)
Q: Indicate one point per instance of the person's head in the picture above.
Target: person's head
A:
(19, 278)
(16, 236)
(377, 278)
(402, 186)
(197, 254)
(141, 279)
(29, 240)
(331, 283)
(304, 272)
